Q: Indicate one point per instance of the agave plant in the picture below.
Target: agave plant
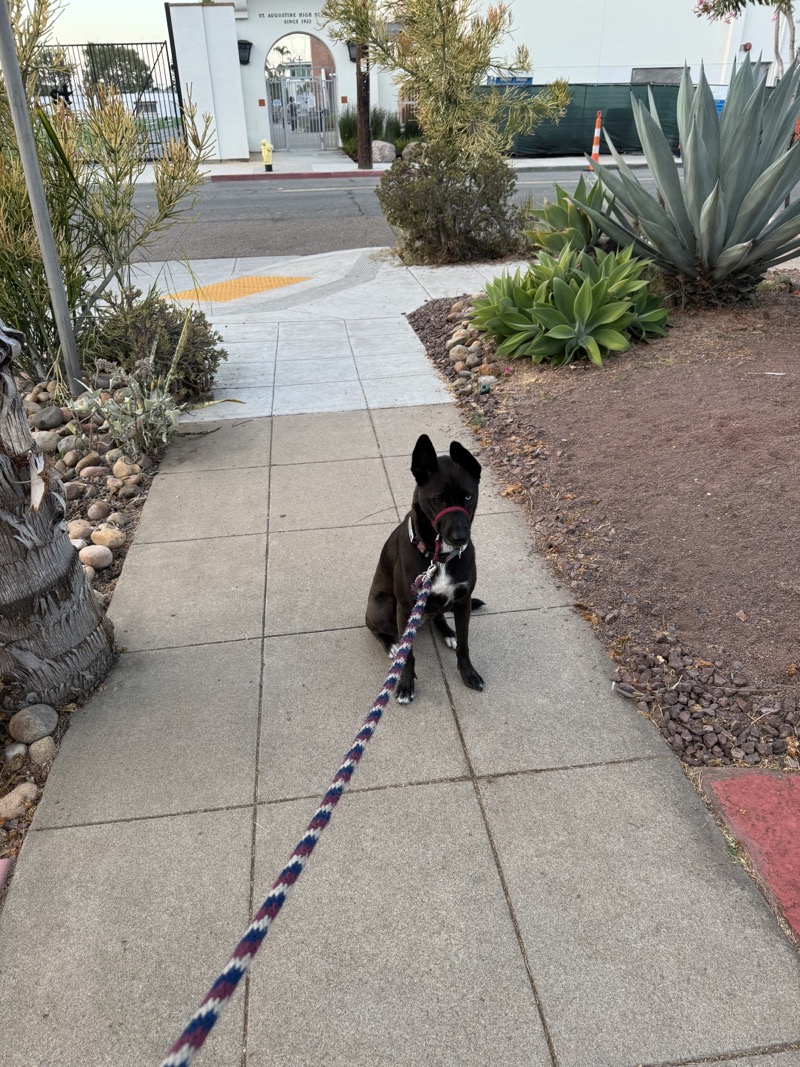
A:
(571, 306)
(720, 229)
(565, 222)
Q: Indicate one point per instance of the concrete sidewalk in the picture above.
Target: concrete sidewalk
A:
(522, 876)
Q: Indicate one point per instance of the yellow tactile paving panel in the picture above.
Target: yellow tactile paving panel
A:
(236, 288)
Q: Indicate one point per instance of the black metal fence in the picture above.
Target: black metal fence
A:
(141, 73)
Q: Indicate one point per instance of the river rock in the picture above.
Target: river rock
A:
(113, 455)
(383, 152)
(31, 723)
(458, 353)
(79, 528)
(78, 543)
(42, 751)
(109, 536)
(91, 460)
(49, 418)
(98, 511)
(14, 804)
(94, 471)
(74, 490)
(47, 441)
(67, 444)
(90, 572)
(123, 468)
(97, 556)
(460, 337)
(72, 457)
(118, 518)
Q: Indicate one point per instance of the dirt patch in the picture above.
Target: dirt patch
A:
(664, 489)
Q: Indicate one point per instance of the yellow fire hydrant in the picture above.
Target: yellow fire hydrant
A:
(266, 154)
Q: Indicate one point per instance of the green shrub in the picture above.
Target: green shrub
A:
(412, 129)
(392, 130)
(572, 306)
(348, 124)
(350, 147)
(451, 209)
(377, 123)
(565, 222)
(141, 416)
(133, 329)
(717, 231)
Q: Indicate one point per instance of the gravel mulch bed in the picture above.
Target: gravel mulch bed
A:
(105, 492)
(664, 490)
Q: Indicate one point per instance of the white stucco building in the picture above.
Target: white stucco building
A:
(585, 41)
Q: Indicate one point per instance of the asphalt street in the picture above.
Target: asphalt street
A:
(300, 217)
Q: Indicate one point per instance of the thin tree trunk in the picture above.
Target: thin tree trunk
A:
(776, 21)
(56, 644)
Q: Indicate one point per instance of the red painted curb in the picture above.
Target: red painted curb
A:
(762, 811)
(272, 177)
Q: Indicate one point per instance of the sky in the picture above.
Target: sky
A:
(114, 21)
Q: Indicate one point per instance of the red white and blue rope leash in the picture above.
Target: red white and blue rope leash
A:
(201, 1023)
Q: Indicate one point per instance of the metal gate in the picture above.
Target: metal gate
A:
(141, 73)
(302, 111)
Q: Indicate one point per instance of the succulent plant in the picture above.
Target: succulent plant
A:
(725, 224)
(563, 308)
(565, 222)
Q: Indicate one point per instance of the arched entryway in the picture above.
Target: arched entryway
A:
(301, 93)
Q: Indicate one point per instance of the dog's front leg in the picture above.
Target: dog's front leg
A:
(461, 616)
(405, 684)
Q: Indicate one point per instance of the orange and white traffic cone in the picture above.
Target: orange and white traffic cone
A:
(596, 142)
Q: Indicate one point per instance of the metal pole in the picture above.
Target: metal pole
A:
(18, 103)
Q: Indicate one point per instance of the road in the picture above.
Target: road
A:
(301, 217)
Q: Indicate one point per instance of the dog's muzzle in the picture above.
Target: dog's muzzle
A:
(447, 511)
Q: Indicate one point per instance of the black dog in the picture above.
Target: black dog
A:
(442, 510)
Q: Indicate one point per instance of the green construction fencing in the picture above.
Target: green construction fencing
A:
(573, 135)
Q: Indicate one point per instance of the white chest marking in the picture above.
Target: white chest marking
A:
(443, 584)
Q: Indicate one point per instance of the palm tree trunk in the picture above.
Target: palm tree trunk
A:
(56, 644)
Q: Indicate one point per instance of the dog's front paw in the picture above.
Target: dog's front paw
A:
(470, 677)
(405, 692)
(451, 641)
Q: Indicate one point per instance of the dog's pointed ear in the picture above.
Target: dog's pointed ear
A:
(465, 459)
(424, 461)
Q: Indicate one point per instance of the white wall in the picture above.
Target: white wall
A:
(208, 65)
(266, 22)
(603, 40)
(581, 40)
